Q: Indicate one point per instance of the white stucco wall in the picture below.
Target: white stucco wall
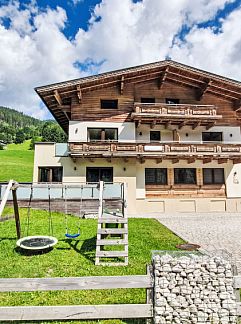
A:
(78, 130)
(143, 133)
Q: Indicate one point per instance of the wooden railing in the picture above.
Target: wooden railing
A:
(76, 312)
(182, 110)
(160, 149)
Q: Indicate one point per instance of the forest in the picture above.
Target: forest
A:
(16, 127)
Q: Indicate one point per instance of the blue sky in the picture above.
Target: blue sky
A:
(45, 41)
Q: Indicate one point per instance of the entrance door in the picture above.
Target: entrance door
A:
(99, 174)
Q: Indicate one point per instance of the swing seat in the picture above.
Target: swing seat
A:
(72, 236)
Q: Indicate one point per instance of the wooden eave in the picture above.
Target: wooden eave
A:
(164, 71)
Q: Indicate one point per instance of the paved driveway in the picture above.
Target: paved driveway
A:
(211, 231)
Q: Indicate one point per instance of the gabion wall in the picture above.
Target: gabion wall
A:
(193, 289)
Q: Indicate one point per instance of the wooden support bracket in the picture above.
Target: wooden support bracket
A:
(195, 125)
(122, 85)
(79, 94)
(58, 97)
(210, 125)
(203, 89)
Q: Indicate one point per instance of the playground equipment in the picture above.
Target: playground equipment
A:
(112, 229)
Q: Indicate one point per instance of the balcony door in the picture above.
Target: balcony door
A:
(102, 134)
(99, 174)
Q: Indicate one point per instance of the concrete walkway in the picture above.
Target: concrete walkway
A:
(211, 231)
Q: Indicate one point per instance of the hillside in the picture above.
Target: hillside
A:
(16, 162)
(17, 127)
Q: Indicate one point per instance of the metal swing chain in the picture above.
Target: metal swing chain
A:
(65, 209)
(50, 215)
(28, 212)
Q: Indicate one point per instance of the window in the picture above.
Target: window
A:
(50, 174)
(148, 100)
(213, 176)
(155, 136)
(102, 134)
(212, 137)
(99, 174)
(185, 176)
(109, 104)
(172, 101)
(155, 176)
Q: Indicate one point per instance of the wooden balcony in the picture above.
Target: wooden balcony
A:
(171, 151)
(176, 114)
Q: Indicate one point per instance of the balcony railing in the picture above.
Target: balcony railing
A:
(161, 150)
(176, 113)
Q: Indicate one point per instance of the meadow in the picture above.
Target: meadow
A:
(16, 162)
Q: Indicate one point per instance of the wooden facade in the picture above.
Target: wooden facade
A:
(178, 97)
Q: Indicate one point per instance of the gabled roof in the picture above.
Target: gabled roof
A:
(54, 95)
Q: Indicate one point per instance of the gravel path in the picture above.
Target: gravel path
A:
(211, 231)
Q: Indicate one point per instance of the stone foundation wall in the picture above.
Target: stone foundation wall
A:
(193, 289)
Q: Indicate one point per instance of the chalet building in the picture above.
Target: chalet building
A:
(170, 131)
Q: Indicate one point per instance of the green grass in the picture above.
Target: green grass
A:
(16, 162)
(76, 258)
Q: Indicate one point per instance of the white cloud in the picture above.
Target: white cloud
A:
(34, 50)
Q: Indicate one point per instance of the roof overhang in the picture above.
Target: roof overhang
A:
(54, 95)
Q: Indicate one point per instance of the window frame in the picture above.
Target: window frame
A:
(106, 101)
(176, 101)
(100, 169)
(103, 134)
(212, 141)
(148, 100)
(156, 183)
(213, 177)
(50, 173)
(153, 140)
(185, 183)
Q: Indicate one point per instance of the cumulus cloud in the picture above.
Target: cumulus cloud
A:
(35, 51)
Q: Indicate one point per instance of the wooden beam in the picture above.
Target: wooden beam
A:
(167, 124)
(175, 161)
(207, 160)
(58, 97)
(79, 94)
(125, 159)
(221, 161)
(159, 160)
(210, 125)
(122, 85)
(162, 78)
(196, 124)
(153, 124)
(236, 161)
(191, 160)
(203, 89)
(72, 312)
(182, 124)
(237, 105)
(16, 213)
(138, 123)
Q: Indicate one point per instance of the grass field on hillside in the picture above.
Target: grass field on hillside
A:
(16, 162)
(76, 258)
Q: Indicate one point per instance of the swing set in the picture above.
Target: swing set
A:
(39, 242)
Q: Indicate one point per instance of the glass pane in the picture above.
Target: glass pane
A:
(212, 137)
(94, 134)
(207, 176)
(161, 176)
(218, 176)
(111, 134)
(57, 174)
(150, 176)
(44, 174)
(92, 175)
(106, 174)
(148, 100)
(172, 101)
(109, 104)
(155, 176)
(155, 136)
(185, 176)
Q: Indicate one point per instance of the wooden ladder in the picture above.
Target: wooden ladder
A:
(112, 231)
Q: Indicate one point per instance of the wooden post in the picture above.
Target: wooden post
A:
(16, 212)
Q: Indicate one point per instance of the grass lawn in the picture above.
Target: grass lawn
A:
(76, 258)
(16, 162)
